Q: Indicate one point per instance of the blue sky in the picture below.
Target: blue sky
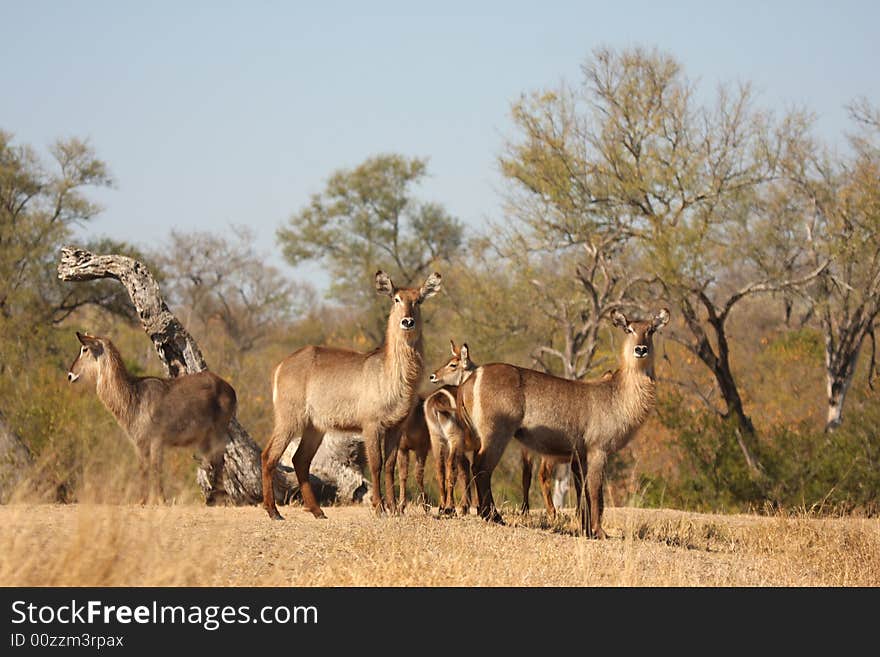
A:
(216, 113)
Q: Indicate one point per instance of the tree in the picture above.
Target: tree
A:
(840, 205)
(683, 181)
(225, 279)
(367, 219)
(39, 205)
(552, 210)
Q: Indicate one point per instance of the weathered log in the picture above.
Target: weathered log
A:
(180, 354)
(338, 465)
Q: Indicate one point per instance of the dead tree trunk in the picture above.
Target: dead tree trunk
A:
(180, 354)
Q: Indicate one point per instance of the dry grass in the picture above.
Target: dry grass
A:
(189, 545)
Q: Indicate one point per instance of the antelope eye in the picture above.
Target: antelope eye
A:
(452, 366)
(396, 299)
(82, 350)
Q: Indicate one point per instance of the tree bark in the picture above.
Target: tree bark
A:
(839, 374)
(719, 364)
(180, 354)
(338, 467)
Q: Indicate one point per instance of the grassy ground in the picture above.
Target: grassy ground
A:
(190, 545)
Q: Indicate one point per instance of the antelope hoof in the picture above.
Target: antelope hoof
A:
(599, 534)
(318, 513)
(464, 511)
(495, 517)
(447, 511)
(274, 515)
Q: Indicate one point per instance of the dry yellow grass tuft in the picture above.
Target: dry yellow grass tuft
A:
(191, 545)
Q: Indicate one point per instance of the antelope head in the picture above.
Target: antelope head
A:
(406, 313)
(638, 346)
(86, 365)
(457, 369)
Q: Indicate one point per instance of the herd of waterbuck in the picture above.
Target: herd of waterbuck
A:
(467, 422)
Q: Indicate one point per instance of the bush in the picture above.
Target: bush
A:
(804, 467)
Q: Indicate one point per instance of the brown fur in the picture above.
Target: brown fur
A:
(319, 389)
(193, 410)
(415, 438)
(584, 420)
(545, 473)
(545, 480)
(449, 441)
(452, 443)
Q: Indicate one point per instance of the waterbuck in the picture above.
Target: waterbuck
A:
(319, 389)
(193, 410)
(546, 474)
(587, 420)
(450, 442)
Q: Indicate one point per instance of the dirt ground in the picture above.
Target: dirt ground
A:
(190, 545)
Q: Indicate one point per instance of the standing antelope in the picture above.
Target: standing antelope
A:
(414, 437)
(450, 441)
(320, 389)
(546, 473)
(586, 419)
(193, 410)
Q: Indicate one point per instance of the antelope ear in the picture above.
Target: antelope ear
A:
(454, 350)
(91, 343)
(619, 319)
(384, 284)
(661, 319)
(465, 357)
(431, 287)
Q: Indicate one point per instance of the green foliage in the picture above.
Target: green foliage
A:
(796, 344)
(368, 219)
(804, 467)
(712, 473)
(828, 472)
(39, 205)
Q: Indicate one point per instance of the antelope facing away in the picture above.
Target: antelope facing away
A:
(319, 389)
(450, 442)
(550, 415)
(193, 410)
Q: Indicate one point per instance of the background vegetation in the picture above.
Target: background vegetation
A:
(626, 190)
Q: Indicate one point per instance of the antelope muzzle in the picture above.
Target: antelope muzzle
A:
(407, 323)
(641, 351)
